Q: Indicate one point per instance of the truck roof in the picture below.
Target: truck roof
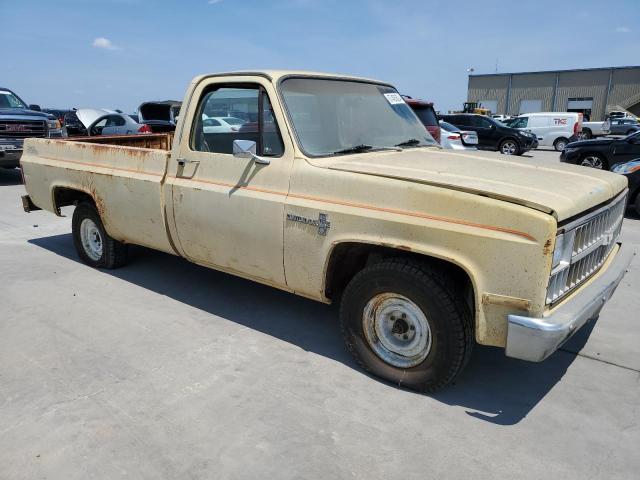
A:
(277, 75)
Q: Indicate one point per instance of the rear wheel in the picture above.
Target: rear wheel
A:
(560, 144)
(402, 323)
(509, 147)
(586, 134)
(94, 246)
(594, 160)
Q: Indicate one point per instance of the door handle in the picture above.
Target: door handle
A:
(183, 161)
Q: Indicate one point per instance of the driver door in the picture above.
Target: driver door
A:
(228, 212)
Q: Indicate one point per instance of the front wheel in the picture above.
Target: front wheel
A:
(401, 323)
(509, 147)
(586, 134)
(594, 161)
(94, 246)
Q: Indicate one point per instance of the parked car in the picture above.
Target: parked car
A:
(595, 129)
(493, 135)
(161, 116)
(221, 124)
(621, 114)
(59, 114)
(602, 153)
(427, 252)
(427, 115)
(624, 126)
(19, 121)
(552, 129)
(631, 170)
(451, 137)
(108, 122)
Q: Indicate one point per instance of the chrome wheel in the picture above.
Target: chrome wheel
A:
(397, 330)
(592, 161)
(509, 147)
(91, 239)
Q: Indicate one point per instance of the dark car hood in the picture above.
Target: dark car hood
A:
(592, 143)
(23, 112)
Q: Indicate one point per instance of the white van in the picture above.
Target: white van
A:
(553, 129)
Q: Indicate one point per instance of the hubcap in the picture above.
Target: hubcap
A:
(592, 161)
(509, 148)
(397, 330)
(561, 146)
(91, 239)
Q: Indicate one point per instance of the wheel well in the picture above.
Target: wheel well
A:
(63, 197)
(347, 259)
(586, 129)
(560, 138)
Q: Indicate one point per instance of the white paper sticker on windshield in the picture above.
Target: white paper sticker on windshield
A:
(394, 98)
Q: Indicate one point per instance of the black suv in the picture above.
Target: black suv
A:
(493, 135)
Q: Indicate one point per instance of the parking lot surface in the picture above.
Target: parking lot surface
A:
(164, 369)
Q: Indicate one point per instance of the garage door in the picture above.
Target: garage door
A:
(580, 104)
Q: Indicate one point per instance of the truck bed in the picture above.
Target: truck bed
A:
(158, 141)
(123, 176)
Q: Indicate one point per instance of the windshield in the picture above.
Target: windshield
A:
(337, 116)
(9, 100)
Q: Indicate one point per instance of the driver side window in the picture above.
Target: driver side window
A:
(236, 112)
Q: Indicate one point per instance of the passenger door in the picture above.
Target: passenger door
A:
(228, 212)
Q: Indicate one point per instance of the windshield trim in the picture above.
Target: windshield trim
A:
(285, 108)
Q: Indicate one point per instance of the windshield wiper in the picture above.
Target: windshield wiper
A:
(355, 149)
(409, 143)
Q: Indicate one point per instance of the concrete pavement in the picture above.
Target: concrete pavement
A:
(164, 369)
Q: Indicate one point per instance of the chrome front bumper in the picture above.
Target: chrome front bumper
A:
(534, 339)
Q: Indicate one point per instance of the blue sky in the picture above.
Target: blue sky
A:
(118, 53)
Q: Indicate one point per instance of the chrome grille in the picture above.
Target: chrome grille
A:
(593, 238)
(23, 128)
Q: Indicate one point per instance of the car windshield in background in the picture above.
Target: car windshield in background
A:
(9, 100)
(234, 121)
(338, 116)
(448, 127)
(426, 114)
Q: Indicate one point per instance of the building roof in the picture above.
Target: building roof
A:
(553, 71)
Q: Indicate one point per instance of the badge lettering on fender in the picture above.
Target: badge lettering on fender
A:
(322, 223)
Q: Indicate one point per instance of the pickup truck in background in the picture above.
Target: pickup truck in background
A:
(595, 129)
(427, 251)
(19, 121)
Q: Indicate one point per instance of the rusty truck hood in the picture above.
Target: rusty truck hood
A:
(561, 190)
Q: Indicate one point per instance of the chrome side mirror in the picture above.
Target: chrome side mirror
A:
(247, 149)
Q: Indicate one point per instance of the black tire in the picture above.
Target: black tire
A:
(586, 134)
(560, 144)
(509, 145)
(448, 317)
(591, 160)
(113, 253)
(636, 205)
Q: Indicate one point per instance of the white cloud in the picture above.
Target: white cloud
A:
(623, 30)
(104, 43)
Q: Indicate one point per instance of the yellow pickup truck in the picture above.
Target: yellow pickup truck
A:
(329, 187)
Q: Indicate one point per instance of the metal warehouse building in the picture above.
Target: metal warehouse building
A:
(594, 91)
